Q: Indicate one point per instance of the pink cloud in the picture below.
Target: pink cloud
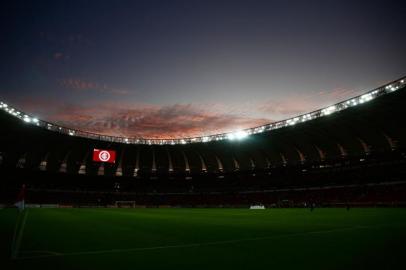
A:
(58, 56)
(179, 120)
(84, 85)
(173, 121)
(141, 120)
(302, 103)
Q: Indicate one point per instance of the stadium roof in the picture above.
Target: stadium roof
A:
(233, 136)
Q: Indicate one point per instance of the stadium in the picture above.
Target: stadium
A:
(315, 178)
(190, 134)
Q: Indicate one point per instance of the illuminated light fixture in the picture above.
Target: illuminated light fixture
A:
(291, 122)
(353, 101)
(230, 136)
(71, 132)
(328, 110)
(27, 119)
(365, 98)
(306, 117)
(258, 130)
(205, 139)
(126, 140)
(238, 135)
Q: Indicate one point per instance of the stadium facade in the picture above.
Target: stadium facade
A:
(349, 150)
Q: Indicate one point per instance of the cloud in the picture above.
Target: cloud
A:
(302, 103)
(179, 120)
(172, 121)
(142, 120)
(338, 94)
(65, 40)
(84, 85)
(58, 56)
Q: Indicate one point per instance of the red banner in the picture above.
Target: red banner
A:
(100, 155)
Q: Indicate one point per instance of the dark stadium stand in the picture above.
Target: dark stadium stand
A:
(355, 155)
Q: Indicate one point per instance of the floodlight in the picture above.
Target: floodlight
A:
(329, 110)
(238, 135)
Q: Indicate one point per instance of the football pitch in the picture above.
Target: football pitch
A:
(373, 238)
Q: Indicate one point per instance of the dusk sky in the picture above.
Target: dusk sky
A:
(165, 69)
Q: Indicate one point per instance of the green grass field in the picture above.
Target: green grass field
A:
(203, 239)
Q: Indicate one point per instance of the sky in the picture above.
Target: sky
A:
(171, 69)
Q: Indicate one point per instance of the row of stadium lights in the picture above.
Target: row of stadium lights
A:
(233, 136)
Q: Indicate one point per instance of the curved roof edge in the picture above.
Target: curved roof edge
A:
(238, 135)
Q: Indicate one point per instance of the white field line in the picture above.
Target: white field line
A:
(15, 246)
(16, 227)
(221, 242)
(13, 241)
(40, 251)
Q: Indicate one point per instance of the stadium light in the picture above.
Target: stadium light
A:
(365, 98)
(329, 110)
(27, 119)
(238, 135)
